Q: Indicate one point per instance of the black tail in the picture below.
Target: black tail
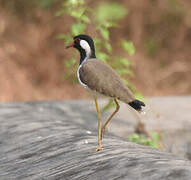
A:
(136, 104)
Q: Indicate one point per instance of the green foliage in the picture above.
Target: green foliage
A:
(108, 106)
(128, 46)
(108, 14)
(103, 56)
(78, 28)
(70, 63)
(152, 141)
(102, 17)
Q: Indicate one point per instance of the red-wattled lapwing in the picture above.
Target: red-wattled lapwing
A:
(100, 79)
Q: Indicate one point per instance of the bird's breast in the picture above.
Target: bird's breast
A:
(78, 76)
(94, 93)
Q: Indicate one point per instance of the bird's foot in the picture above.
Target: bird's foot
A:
(99, 148)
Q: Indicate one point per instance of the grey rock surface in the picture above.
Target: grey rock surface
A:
(56, 140)
(170, 116)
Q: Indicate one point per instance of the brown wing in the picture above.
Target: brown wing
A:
(102, 78)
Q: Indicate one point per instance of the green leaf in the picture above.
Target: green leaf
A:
(140, 139)
(139, 96)
(134, 138)
(85, 19)
(129, 72)
(108, 106)
(108, 47)
(110, 24)
(124, 61)
(77, 13)
(128, 46)
(78, 28)
(102, 56)
(104, 32)
(70, 63)
(155, 136)
(107, 12)
(98, 44)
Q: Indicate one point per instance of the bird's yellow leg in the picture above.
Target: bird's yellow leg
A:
(109, 119)
(99, 147)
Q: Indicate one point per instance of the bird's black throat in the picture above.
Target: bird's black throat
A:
(83, 54)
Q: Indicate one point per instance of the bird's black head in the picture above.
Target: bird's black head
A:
(85, 45)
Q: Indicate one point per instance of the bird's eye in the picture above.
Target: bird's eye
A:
(77, 40)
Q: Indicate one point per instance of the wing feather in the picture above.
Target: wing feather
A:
(100, 77)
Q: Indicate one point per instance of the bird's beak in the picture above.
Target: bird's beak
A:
(69, 46)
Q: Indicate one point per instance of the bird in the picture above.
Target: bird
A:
(100, 79)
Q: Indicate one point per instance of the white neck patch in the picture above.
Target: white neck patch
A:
(84, 44)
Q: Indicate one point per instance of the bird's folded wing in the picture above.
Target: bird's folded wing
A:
(100, 77)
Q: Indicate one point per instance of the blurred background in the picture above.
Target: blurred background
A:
(147, 42)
